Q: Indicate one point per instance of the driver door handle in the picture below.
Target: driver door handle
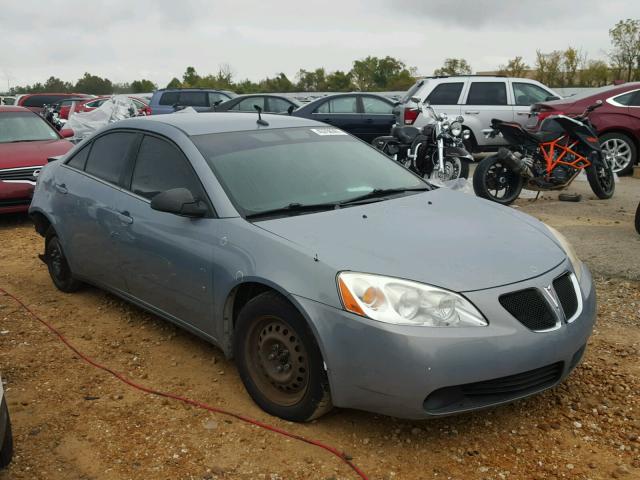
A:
(62, 188)
(125, 216)
(472, 112)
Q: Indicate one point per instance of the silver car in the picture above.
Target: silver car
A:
(330, 273)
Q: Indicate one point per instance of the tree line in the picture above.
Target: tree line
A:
(559, 68)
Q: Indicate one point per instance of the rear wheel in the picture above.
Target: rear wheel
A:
(601, 180)
(57, 264)
(620, 151)
(279, 360)
(495, 181)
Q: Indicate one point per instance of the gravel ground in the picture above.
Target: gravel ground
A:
(72, 421)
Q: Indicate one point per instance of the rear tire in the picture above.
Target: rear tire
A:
(7, 442)
(496, 182)
(59, 269)
(279, 360)
(622, 150)
(601, 179)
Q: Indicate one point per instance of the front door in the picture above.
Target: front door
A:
(378, 118)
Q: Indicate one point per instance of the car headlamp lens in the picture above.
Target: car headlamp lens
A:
(402, 302)
(456, 129)
(569, 250)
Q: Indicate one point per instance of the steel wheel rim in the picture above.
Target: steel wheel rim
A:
(618, 153)
(277, 361)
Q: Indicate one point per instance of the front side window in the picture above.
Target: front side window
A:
(446, 94)
(161, 166)
(271, 169)
(376, 106)
(487, 93)
(194, 99)
(169, 98)
(24, 127)
(109, 155)
(528, 93)
(215, 98)
(339, 105)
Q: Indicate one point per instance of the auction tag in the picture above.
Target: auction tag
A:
(328, 131)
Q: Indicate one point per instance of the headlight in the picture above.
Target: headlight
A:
(466, 135)
(445, 126)
(569, 250)
(402, 302)
(456, 129)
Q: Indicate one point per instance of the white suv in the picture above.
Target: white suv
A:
(478, 99)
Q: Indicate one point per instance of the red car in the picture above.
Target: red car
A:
(26, 142)
(617, 120)
(35, 101)
(92, 104)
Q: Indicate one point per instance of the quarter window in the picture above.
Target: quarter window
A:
(339, 105)
(160, 166)
(487, 93)
(446, 94)
(375, 105)
(109, 154)
(631, 99)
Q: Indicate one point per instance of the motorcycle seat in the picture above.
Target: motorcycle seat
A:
(405, 134)
(543, 136)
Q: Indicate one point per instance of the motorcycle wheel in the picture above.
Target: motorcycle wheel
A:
(601, 180)
(454, 168)
(638, 219)
(496, 182)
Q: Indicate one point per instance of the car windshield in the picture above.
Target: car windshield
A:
(280, 168)
(24, 127)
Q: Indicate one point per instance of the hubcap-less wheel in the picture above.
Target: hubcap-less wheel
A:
(452, 168)
(278, 361)
(618, 153)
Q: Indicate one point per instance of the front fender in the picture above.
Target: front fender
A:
(458, 152)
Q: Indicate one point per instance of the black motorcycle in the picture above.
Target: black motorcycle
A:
(548, 159)
(434, 152)
(51, 114)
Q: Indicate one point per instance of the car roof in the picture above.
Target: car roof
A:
(219, 122)
(345, 94)
(13, 108)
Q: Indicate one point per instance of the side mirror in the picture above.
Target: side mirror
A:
(290, 109)
(598, 102)
(179, 201)
(66, 133)
(415, 99)
(551, 98)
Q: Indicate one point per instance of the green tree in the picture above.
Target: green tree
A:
(454, 66)
(571, 61)
(54, 84)
(625, 38)
(375, 74)
(143, 86)
(516, 67)
(279, 83)
(94, 84)
(549, 68)
(339, 81)
(595, 74)
(190, 78)
(314, 81)
(174, 83)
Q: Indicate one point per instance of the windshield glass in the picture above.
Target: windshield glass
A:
(272, 169)
(24, 127)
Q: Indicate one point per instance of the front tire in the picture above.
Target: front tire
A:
(496, 182)
(621, 152)
(454, 168)
(279, 360)
(601, 179)
(58, 266)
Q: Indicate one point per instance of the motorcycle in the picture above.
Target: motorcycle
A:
(547, 159)
(51, 114)
(434, 152)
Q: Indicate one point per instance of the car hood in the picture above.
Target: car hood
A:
(28, 154)
(442, 238)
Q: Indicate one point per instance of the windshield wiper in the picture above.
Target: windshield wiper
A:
(294, 208)
(381, 192)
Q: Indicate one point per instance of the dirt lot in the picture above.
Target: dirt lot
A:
(72, 421)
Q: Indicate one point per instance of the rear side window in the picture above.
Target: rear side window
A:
(528, 93)
(278, 105)
(161, 166)
(446, 94)
(631, 99)
(109, 154)
(375, 105)
(412, 91)
(169, 98)
(194, 99)
(487, 93)
(247, 105)
(339, 105)
(80, 159)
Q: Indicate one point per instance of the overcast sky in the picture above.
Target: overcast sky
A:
(125, 40)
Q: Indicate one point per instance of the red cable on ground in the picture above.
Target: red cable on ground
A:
(342, 456)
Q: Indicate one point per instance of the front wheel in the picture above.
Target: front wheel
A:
(58, 265)
(454, 168)
(601, 180)
(279, 360)
(497, 182)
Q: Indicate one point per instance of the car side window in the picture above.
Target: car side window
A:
(215, 97)
(194, 99)
(446, 94)
(375, 105)
(169, 98)
(630, 99)
(528, 93)
(247, 105)
(339, 105)
(278, 105)
(79, 160)
(109, 155)
(487, 93)
(161, 166)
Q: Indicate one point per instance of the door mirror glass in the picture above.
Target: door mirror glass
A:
(179, 201)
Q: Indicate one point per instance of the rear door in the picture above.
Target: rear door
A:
(167, 259)
(341, 111)
(377, 116)
(485, 100)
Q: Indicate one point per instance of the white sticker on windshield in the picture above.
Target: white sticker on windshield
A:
(327, 131)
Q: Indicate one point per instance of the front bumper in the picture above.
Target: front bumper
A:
(394, 370)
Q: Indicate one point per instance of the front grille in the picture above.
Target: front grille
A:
(566, 295)
(530, 308)
(489, 392)
(17, 174)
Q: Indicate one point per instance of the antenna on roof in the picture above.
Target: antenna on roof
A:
(260, 120)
